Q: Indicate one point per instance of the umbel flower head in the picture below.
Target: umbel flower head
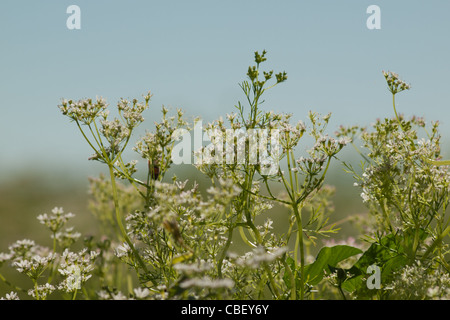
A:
(395, 84)
(56, 220)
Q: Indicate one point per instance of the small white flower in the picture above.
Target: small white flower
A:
(268, 224)
(11, 296)
(5, 257)
(122, 250)
(141, 293)
(344, 141)
(103, 295)
(41, 292)
(365, 197)
(119, 296)
(207, 282)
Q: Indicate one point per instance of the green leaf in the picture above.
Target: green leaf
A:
(387, 253)
(327, 257)
(286, 277)
(351, 285)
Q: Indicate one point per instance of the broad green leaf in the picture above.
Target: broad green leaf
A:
(328, 256)
(353, 284)
(388, 254)
(380, 252)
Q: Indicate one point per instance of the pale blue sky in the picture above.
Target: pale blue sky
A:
(192, 55)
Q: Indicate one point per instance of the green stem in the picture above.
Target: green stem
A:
(119, 220)
(435, 243)
(52, 270)
(129, 178)
(302, 249)
(86, 138)
(342, 292)
(224, 251)
(250, 223)
(415, 242)
(293, 189)
(293, 294)
(99, 140)
(395, 111)
(36, 289)
(74, 295)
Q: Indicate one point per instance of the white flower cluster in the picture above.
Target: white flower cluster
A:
(85, 110)
(207, 283)
(400, 181)
(11, 296)
(290, 135)
(138, 294)
(330, 146)
(27, 256)
(41, 292)
(395, 84)
(123, 250)
(67, 237)
(259, 255)
(132, 113)
(34, 267)
(56, 220)
(156, 147)
(416, 282)
(198, 267)
(114, 131)
(76, 267)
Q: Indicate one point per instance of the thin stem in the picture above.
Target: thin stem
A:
(52, 270)
(360, 153)
(36, 291)
(293, 294)
(302, 249)
(295, 175)
(74, 295)
(395, 111)
(317, 185)
(436, 242)
(129, 178)
(99, 140)
(245, 239)
(224, 251)
(266, 197)
(342, 292)
(293, 189)
(119, 220)
(84, 135)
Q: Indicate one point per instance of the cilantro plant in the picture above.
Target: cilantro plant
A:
(406, 190)
(165, 237)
